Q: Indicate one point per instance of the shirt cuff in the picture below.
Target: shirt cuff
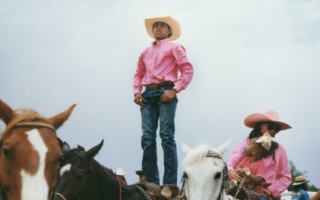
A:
(275, 193)
(136, 91)
(230, 168)
(178, 87)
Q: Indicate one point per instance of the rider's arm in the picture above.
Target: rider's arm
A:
(283, 174)
(236, 156)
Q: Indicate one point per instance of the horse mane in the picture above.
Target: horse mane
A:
(72, 153)
(23, 115)
(195, 156)
(76, 152)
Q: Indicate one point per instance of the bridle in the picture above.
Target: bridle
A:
(212, 154)
(35, 124)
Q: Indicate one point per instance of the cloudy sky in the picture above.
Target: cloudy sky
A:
(248, 55)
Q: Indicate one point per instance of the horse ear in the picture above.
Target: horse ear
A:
(6, 113)
(223, 148)
(65, 147)
(185, 149)
(58, 119)
(60, 142)
(93, 151)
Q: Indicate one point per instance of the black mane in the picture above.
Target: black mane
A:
(76, 152)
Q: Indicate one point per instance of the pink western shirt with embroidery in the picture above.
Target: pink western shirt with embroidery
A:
(160, 63)
(278, 171)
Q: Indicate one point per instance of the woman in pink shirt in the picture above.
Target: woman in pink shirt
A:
(278, 176)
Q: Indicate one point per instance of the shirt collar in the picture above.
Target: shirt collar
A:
(160, 42)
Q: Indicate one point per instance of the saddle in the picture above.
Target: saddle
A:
(153, 190)
(243, 194)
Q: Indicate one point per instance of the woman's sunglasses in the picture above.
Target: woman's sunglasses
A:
(274, 126)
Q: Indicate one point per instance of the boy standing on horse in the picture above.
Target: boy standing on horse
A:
(157, 70)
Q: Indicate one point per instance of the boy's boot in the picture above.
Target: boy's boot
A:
(166, 192)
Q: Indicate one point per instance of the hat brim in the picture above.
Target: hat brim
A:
(174, 25)
(253, 119)
(299, 183)
(121, 174)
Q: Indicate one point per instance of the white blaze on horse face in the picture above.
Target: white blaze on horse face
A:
(35, 186)
(65, 168)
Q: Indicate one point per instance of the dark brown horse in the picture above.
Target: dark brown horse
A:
(82, 177)
(29, 153)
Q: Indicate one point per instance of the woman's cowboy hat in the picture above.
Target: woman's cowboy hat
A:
(266, 115)
(120, 172)
(174, 25)
(300, 180)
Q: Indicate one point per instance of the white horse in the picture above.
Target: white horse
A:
(203, 171)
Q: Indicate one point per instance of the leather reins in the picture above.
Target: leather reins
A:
(224, 171)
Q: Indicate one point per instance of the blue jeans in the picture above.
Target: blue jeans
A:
(263, 197)
(153, 110)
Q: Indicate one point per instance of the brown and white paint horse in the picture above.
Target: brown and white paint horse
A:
(29, 153)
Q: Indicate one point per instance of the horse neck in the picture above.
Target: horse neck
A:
(105, 184)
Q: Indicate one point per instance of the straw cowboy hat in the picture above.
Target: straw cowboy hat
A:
(120, 172)
(300, 180)
(266, 115)
(174, 25)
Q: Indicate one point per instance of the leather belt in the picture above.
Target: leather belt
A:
(155, 86)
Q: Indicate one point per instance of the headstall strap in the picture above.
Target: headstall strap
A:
(183, 181)
(60, 195)
(213, 154)
(35, 124)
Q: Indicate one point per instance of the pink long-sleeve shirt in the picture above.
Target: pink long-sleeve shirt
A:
(162, 62)
(278, 170)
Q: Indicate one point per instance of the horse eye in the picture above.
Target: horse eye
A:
(79, 177)
(218, 175)
(6, 152)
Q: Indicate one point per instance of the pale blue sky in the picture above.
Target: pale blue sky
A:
(247, 55)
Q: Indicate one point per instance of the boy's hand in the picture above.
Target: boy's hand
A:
(168, 95)
(138, 99)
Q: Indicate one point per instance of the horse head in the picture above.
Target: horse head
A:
(29, 153)
(203, 171)
(76, 173)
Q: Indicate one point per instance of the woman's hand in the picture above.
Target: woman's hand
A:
(267, 192)
(137, 99)
(234, 176)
